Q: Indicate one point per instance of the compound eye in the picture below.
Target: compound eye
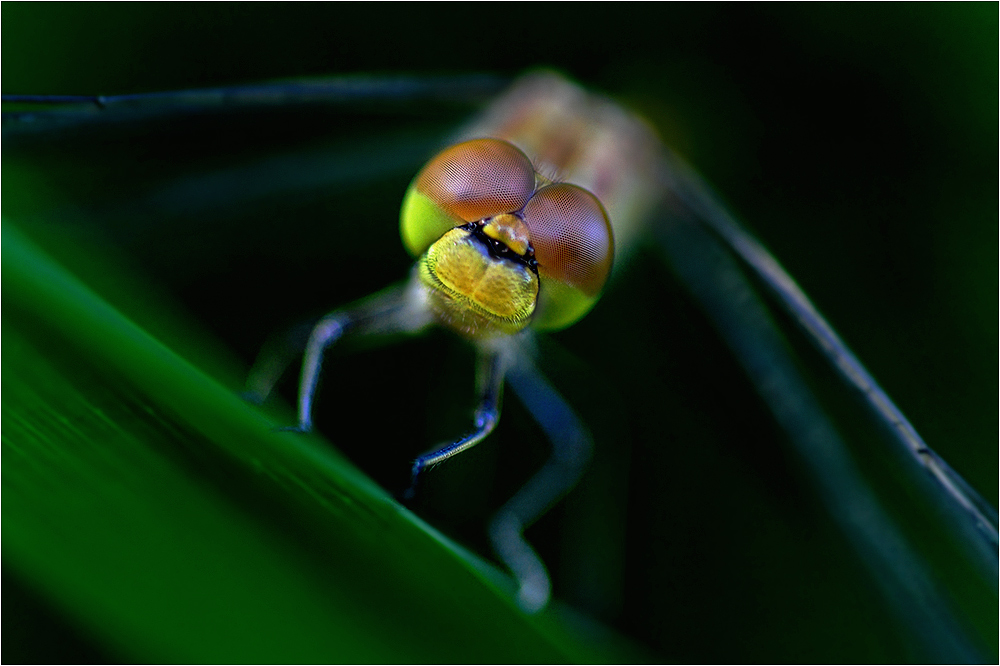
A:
(572, 237)
(478, 179)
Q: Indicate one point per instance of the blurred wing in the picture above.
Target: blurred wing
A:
(973, 513)
(25, 111)
(741, 317)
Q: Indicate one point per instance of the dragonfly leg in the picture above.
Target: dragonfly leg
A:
(571, 451)
(398, 309)
(329, 329)
(489, 378)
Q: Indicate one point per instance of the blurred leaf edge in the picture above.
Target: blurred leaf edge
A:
(464, 590)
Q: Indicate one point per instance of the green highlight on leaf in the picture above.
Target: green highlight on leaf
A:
(167, 518)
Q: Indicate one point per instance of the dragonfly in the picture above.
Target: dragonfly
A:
(651, 197)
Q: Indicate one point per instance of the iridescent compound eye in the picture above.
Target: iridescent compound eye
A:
(464, 183)
(574, 247)
(567, 227)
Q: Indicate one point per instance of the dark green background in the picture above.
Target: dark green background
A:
(858, 142)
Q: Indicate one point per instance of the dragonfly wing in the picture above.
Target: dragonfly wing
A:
(951, 489)
(707, 269)
(23, 112)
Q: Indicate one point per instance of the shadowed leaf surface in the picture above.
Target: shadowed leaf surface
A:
(145, 497)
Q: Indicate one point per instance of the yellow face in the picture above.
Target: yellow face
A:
(500, 246)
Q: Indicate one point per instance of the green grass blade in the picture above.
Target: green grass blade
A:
(163, 514)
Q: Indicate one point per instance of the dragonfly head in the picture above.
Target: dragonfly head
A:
(501, 247)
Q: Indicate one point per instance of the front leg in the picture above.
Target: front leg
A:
(400, 309)
(489, 378)
(329, 329)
